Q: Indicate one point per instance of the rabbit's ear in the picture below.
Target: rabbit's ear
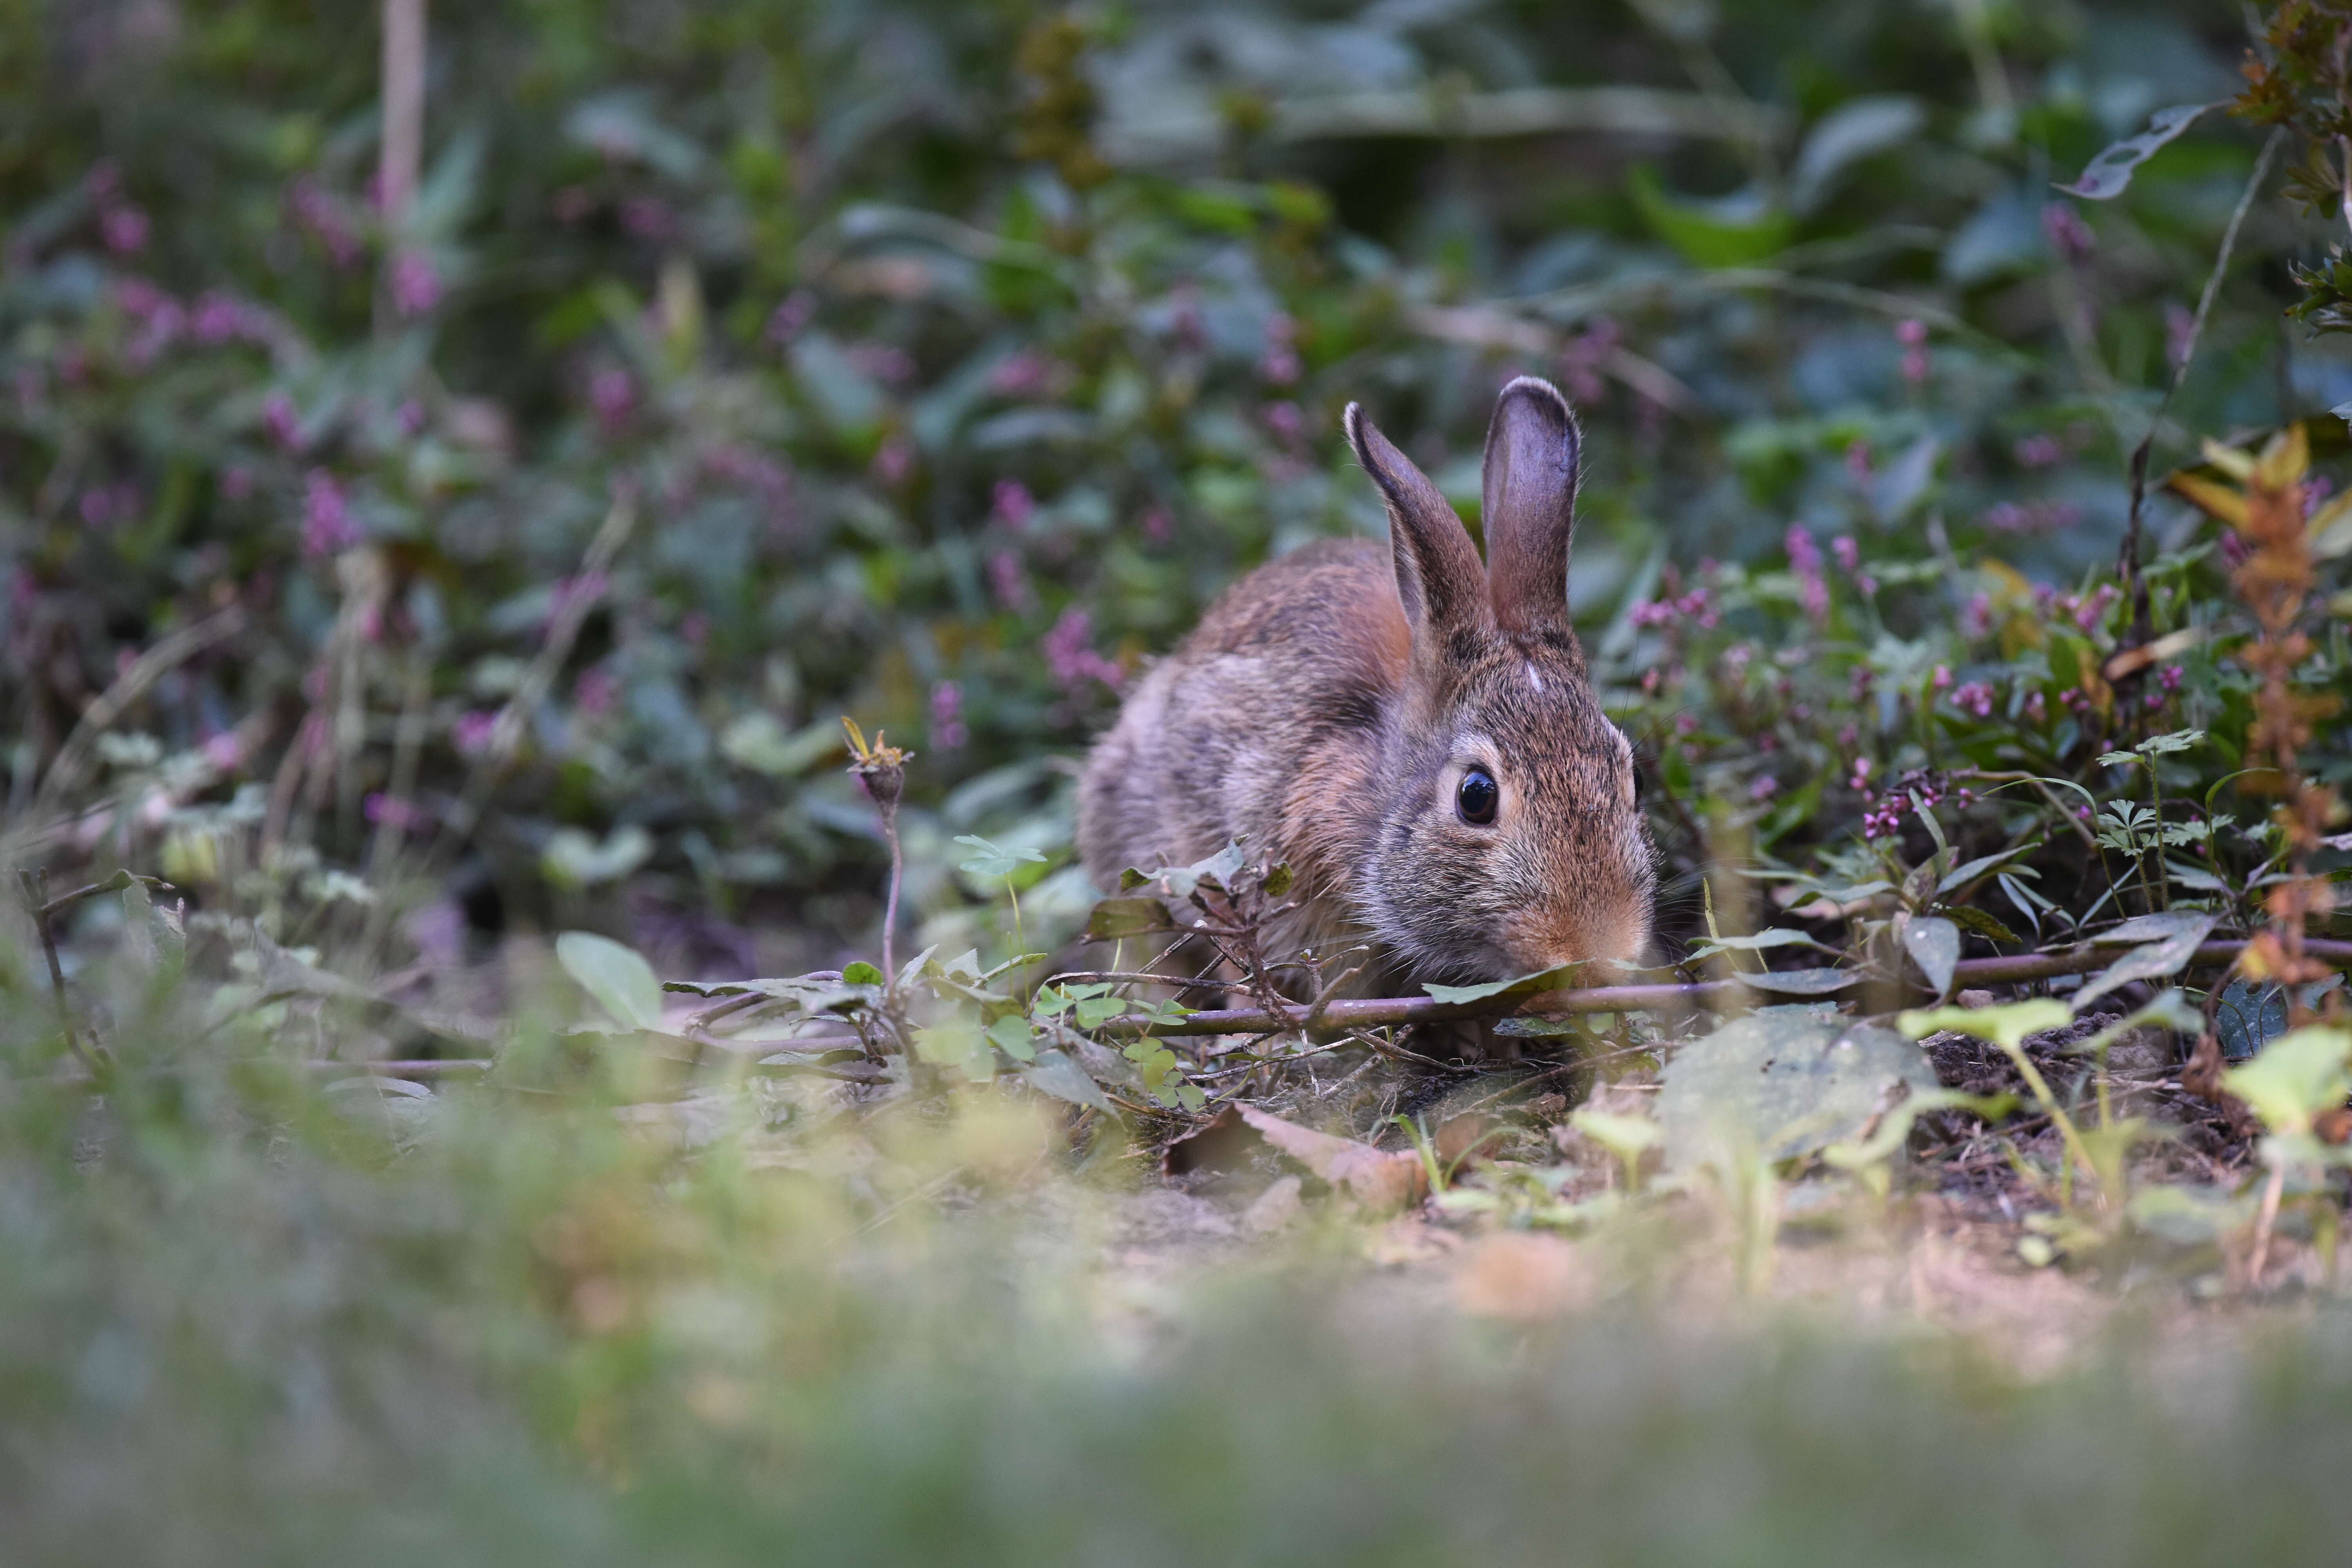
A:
(1529, 497)
(1438, 575)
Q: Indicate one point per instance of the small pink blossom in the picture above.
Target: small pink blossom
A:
(1858, 460)
(2068, 235)
(1976, 698)
(327, 525)
(595, 693)
(948, 732)
(282, 424)
(613, 395)
(1765, 787)
(2037, 451)
(1159, 525)
(1009, 580)
(1071, 657)
(400, 815)
(1805, 564)
(1280, 365)
(894, 459)
(472, 735)
(414, 283)
(1913, 335)
(1027, 373)
(1012, 504)
(1289, 425)
(786, 320)
(124, 229)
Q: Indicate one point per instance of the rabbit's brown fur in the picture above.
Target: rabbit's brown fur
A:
(1324, 711)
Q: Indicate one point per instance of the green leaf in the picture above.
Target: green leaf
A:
(861, 974)
(1525, 984)
(1933, 945)
(991, 860)
(1968, 918)
(1788, 1078)
(1056, 1074)
(2006, 1026)
(1011, 1035)
(1800, 982)
(2166, 744)
(1114, 920)
(1278, 880)
(2106, 176)
(1961, 875)
(1733, 231)
(1776, 936)
(2297, 1076)
(1094, 1011)
(622, 983)
(2172, 940)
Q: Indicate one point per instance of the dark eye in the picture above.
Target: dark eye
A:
(1477, 797)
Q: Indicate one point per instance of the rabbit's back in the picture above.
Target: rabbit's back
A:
(1264, 725)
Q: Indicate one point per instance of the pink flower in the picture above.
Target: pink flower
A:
(394, 812)
(2037, 451)
(1071, 657)
(1159, 525)
(327, 525)
(648, 218)
(1025, 374)
(2067, 233)
(1857, 459)
(279, 418)
(1942, 679)
(613, 395)
(1009, 580)
(1765, 787)
(1012, 504)
(124, 229)
(893, 461)
(595, 693)
(948, 730)
(1280, 364)
(1805, 564)
(236, 482)
(1913, 336)
(320, 215)
(1976, 698)
(784, 323)
(415, 284)
(1287, 423)
(471, 734)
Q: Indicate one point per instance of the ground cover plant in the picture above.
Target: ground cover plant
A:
(562, 561)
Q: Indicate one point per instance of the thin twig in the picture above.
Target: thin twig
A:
(2128, 567)
(35, 890)
(1375, 1012)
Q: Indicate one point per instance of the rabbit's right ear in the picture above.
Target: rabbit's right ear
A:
(1439, 575)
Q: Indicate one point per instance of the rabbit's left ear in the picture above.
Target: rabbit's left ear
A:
(1529, 505)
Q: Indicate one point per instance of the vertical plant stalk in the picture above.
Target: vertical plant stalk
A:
(2275, 582)
(35, 888)
(403, 106)
(569, 612)
(882, 770)
(2127, 566)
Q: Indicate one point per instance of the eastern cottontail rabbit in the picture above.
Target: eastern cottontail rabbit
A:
(1420, 741)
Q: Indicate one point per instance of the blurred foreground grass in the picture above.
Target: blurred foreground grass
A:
(246, 1317)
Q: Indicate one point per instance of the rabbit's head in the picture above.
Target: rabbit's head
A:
(1511, 839)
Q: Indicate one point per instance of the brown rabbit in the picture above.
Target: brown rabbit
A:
(1419, 741)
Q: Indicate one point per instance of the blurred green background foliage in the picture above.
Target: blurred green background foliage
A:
(951, 359)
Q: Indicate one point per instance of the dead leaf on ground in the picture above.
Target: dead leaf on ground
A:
(1521, 1275)
(1374, 1177)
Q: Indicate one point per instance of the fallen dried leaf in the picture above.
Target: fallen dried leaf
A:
(1374, 1177)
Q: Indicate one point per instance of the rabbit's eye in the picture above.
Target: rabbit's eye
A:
(1477, 797)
